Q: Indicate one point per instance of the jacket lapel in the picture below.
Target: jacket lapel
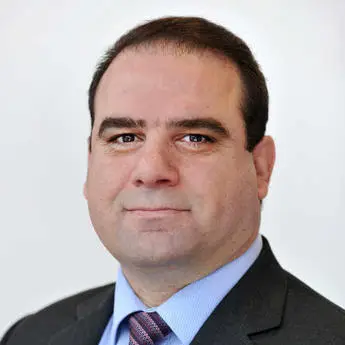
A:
(254, 305)
(92, 318)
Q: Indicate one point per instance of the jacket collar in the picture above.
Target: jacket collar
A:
(254, 305)
(91, 319)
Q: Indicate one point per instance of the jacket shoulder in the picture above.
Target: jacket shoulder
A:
(51, 318)
(311, 314)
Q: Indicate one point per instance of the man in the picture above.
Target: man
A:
(178, 167)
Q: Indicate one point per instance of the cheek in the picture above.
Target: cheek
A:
(218, 187)
(212, 183)
(106, 177)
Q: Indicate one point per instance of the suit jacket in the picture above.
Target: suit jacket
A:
(267, 306)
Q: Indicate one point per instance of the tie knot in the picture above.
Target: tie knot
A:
(147, 328)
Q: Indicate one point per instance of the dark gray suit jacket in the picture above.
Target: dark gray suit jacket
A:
(268, 306)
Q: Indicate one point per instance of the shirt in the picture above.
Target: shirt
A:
(187, 310)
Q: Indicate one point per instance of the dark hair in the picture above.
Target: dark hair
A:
(199, 34)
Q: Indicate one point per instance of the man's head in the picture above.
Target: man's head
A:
(179, 109)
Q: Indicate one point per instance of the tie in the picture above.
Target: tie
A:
(146, 328)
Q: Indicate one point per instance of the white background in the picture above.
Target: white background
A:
(48, 50)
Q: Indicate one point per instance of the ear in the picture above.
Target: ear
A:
(88, 164)
(264, 155)
(85, 190)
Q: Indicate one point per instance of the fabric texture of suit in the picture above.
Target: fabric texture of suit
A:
(268, 306)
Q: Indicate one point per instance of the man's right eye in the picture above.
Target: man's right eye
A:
(126, 138)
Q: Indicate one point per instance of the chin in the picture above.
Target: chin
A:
(156, 259)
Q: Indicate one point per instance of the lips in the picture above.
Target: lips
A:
(156, 212)
(154, 209)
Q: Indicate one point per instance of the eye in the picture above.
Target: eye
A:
(125, 138)
(199, 138)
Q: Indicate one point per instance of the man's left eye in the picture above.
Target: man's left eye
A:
(198, 138)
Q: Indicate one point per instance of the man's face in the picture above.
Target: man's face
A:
(161, 188)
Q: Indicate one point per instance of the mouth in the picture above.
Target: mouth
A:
(155, 211)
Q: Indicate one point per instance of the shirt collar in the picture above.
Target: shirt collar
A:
(179, 311)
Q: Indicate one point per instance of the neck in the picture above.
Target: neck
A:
(156, 284)
(153, 286)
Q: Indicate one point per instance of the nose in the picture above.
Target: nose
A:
(155, 167)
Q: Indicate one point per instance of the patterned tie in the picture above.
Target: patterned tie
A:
(146, 328)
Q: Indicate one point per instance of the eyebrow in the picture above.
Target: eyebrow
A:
(193, 123)
(120, 122)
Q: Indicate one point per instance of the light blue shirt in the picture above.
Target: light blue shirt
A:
(187, 310)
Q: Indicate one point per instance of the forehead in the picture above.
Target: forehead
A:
(156, 84)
